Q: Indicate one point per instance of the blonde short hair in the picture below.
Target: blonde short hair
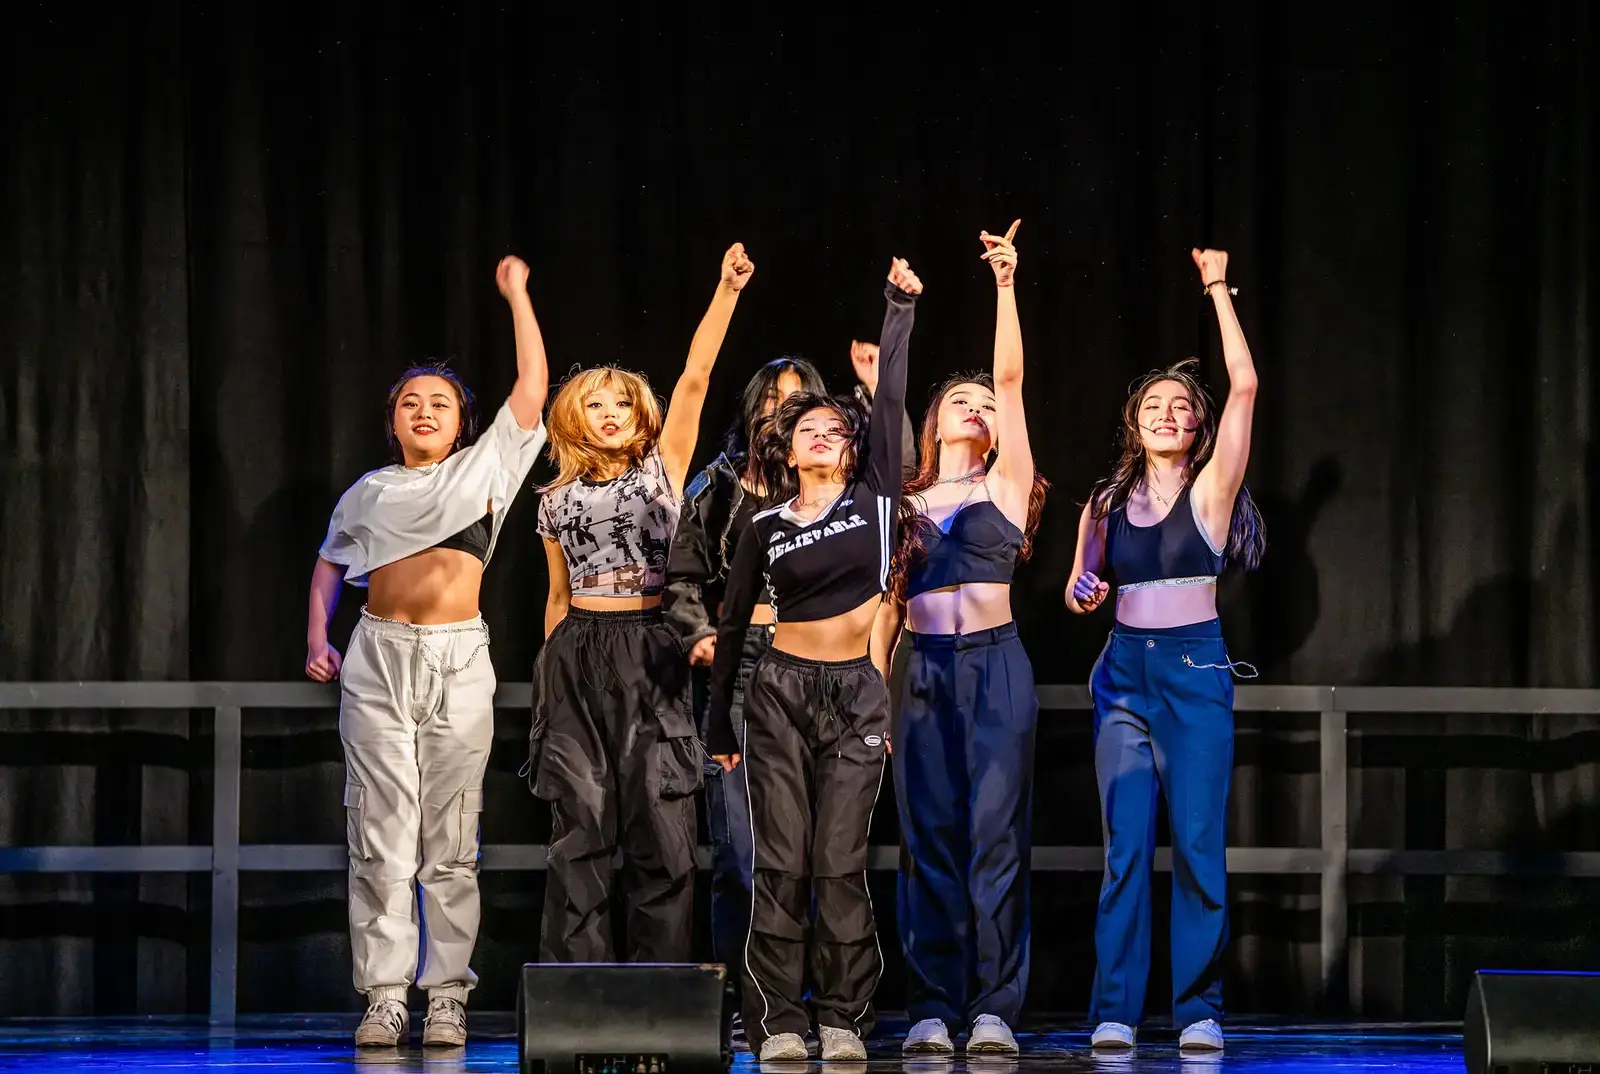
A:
(576, 454)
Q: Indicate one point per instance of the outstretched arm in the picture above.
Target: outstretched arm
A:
(1011, 480)
(1217, 485)
(886, 428)
(681, 428)
(533, 372)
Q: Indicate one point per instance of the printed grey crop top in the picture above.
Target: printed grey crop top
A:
(615, 534)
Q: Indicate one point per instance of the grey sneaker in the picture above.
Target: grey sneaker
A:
(1202, 1037)
(783, 1046)
(446, 1024)
(1112, 1035)
(928, 1037)
(384, 1025)
(991, 1036)
(840, 1044)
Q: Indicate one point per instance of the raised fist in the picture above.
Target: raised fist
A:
(737, 268)
(1001, 255)
(901, 276)
(864, 359)
(1213, 264)
(512, 276)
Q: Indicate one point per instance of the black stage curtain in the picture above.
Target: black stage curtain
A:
(226, 231)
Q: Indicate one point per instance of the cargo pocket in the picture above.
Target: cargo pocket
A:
(679, 768)
(471, 818)
(355, 835)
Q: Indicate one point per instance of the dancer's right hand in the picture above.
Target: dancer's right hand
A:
(511, 276)
(1089, 591)
(703, 652)
(901, 276)
(322, 662)
(728, 761)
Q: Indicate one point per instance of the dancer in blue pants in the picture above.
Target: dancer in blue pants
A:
(963, 758)
(1171, 514)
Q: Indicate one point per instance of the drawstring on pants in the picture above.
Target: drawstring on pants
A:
(1231, 665)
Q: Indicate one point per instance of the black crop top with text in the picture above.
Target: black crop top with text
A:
(980, 545)
(837, 561)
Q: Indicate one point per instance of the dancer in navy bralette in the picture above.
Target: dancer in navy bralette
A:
(963, 757)
(1171, 515)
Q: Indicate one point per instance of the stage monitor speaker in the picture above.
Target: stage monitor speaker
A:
(623, 1018)
(1535, 1021)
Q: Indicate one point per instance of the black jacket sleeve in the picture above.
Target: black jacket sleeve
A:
(690, 568)
(746, 578)
(887, 434)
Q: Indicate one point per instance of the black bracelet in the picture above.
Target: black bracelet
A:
(1206, 290)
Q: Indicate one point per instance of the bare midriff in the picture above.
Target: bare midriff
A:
(617, 604)
(840, 637)
(960, 609)
(1159, 606)
(433, 587)
(760, 615)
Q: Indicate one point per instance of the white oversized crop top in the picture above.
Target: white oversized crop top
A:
(398, 511)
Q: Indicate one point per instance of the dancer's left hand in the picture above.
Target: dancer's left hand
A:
(728, 761)
(737, 268)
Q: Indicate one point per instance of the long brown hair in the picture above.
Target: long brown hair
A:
(1247, 532)
(911, 546)
(780, 481)
(575, 454)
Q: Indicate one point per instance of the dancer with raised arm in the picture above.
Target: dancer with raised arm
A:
(963, 756)
(718, 506)
(613, 748)
(416, 691)
(816, 710)
(1172, 514)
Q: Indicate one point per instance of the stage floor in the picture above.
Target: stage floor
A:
(321, 1043)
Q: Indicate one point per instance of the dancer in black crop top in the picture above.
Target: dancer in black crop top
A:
(815, 708)
(963, 763)
(1174, 509)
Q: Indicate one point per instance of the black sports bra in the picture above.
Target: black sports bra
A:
(1173, 552)
(980, 545)
(474, 540)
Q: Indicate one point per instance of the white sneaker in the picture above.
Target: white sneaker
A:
(1112, 1035)
(446, 1024)
(1202, 1036)
(928, 1037)
(384, 1025)
(783, 1046)
(840, 1044)
(991, 1036)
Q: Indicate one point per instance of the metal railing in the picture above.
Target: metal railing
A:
(1334, 860)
